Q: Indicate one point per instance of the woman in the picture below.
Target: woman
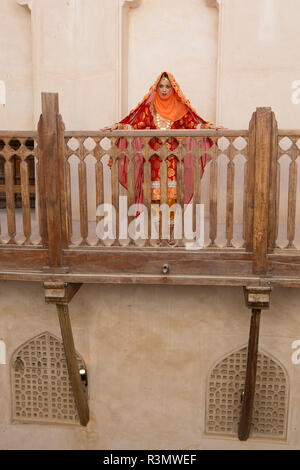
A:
(163, 107)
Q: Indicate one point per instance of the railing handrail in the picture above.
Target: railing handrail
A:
(18, 134)
(160, 133)
(261, 158)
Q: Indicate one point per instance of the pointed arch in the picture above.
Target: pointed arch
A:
(41, 388)
(225, 385)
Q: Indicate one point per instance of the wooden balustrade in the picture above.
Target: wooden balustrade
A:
(139, 160)
(246, 179)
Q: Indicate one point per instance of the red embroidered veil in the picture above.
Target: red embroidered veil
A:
(191, 120)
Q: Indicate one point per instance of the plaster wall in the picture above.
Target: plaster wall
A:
(258, 61)
(148, 350)
(178, 37)
(16, 67)
(74, 55)
(227, 62)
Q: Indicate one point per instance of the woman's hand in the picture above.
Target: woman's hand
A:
(110, 128)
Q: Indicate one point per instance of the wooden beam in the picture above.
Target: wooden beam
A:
(77, 385)
(249, 390)
(51, 187)
(263, 153)
(256, 298)
(61, 294)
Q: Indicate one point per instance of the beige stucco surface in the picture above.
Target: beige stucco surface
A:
(228, 61)
(16, 66)
(258, 61)
(181, 38)
(149, 350)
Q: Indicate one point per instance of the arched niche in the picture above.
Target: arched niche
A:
(225, 386)
(41, 388)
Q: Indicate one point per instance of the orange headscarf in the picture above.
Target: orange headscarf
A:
(180, 104)
(170, 108)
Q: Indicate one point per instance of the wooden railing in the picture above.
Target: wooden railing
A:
(86, 153)
(246, 181)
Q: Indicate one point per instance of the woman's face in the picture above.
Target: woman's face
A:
(164, 87)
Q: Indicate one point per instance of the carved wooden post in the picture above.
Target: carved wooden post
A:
(260, 238)
(261, 194)
(264, 188)
(273, 185)
(256, 298)
(61, 294)
(52, 181)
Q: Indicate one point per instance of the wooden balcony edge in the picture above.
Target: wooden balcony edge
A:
(120, 278)
(18, 134)
(160, 133)
(192, 132)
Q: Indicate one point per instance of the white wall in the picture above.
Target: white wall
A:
(75, 55)
(16, 66)
(180, 37)
(148, 351)
(259, 60)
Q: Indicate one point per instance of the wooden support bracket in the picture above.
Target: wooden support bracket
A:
(256, 298)
(61, 294)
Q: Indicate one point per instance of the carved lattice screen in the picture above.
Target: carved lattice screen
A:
(225, 387)
(41, 386)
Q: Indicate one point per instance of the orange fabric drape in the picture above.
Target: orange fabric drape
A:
(170, 108)
(177, 109)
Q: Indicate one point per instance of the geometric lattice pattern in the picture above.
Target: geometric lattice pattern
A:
(225, 388)
(90, 156)
(41, 386)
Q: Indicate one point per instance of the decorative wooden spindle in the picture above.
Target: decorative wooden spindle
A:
(213, 201)
(82, 183)
(250, 176)
(99, 181)
(292, 194)
(115, 187)
(25, 201)
(230, 195)
(276, 229)
(272, 200)
(180, 187)
(10, 201)
(130, 183)
(245, 203)
(62, 182)
(147, 187)
(69, 201)
(197, 188)
(163, 153)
